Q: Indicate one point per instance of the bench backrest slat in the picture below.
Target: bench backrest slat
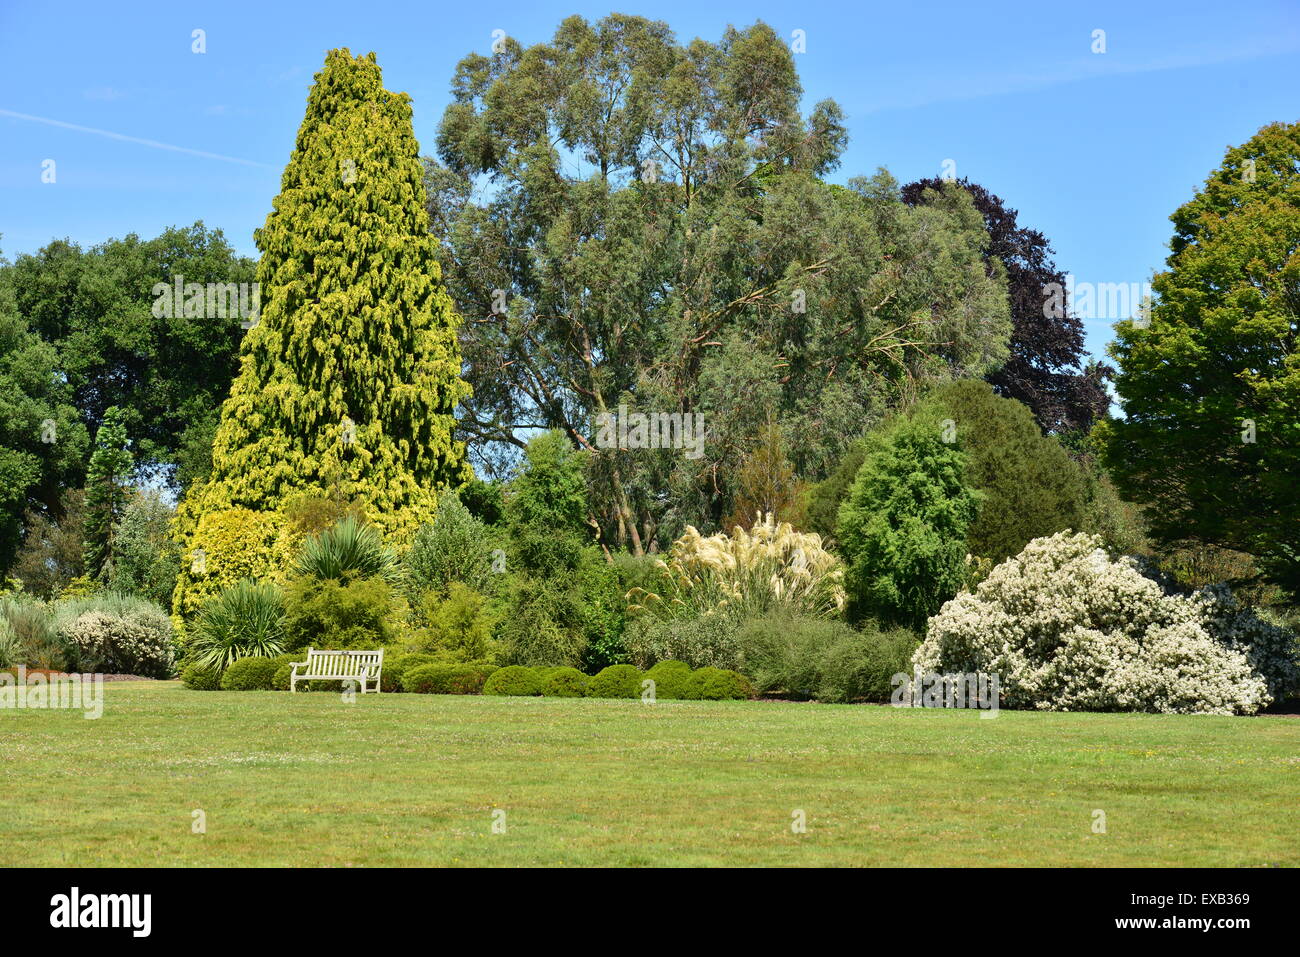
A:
(343, 664)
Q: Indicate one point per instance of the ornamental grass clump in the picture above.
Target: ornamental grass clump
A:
(1067, 629)
(745, 574)
(30, 636)
(11, 649)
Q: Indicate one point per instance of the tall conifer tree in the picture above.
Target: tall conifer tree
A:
(106, 494)
(349, 379)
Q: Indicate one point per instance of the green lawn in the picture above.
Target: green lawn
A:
(414, 780)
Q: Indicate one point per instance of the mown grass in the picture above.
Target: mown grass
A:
(414, 780)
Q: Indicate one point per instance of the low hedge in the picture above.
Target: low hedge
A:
(616, 681)
(516, 680)
(390, 679)
(563, 683)
(249, 674)
(283, 668)
(425, 674)
(198, 678)
(719, 684)
(673, 679)
(446, 679)
(283, 674)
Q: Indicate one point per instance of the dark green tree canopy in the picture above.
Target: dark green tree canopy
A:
(168, 374)
(1030, 485)
(42, 439)
(1209, 441)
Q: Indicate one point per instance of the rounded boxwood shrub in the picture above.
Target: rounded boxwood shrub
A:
(672, 679)
(691, 687)
(616, 681)
(283, 669)
(514, 680)
(249, 674)
(199, 678)
(719, 684)
(564, 682)
(390, 678)
(283, 674)
(446, 679)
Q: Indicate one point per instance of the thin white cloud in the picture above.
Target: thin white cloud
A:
(1096, 67)
(154, 144)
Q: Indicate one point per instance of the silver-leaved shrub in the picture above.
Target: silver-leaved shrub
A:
(1066, 628)
(117, 634)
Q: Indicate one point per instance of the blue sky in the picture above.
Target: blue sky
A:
(1094, 149)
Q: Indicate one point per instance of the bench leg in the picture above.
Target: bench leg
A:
(293, 685)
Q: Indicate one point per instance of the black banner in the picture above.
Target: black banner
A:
(1225, 907)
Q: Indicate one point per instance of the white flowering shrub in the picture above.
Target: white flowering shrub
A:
(1067, 629)
(1270, 649)
(117, 635)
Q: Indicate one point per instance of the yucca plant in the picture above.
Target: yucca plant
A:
(246, 620)
(747, 573)
(346, 552)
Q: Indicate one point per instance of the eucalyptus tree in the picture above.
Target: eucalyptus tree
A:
(634, 224)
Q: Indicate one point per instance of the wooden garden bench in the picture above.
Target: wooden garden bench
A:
(363, 667)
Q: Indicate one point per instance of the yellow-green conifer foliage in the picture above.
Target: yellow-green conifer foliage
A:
(349, 379)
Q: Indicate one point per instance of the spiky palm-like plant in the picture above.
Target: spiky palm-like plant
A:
(348, 551)
(246, 620)
(749, 572)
